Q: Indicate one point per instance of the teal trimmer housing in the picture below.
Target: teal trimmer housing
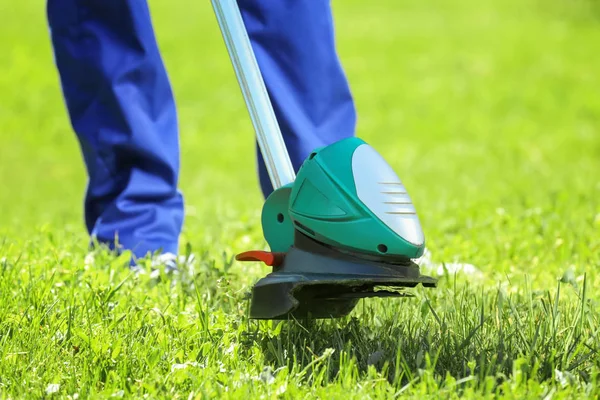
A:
(342, 229)
(330, 202)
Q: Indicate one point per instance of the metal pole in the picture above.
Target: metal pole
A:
(270, 140)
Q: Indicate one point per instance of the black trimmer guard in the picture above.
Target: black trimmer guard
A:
(316, 281)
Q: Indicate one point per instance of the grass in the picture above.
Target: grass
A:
(489, 112)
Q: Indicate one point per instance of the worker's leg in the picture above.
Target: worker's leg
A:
(122, 109)
(295, 48)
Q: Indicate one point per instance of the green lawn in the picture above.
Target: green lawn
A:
(489, 111)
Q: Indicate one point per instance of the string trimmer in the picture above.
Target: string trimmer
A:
(343, 229)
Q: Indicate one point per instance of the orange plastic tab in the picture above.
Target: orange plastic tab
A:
(270, 259)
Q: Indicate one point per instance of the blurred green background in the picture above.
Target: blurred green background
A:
(488, 110)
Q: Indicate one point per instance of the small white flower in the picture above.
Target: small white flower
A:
(52, 388)
(428, 266)
(281, 389)
(89, 260)
(230, 349)
(176, 367)
(154, 274)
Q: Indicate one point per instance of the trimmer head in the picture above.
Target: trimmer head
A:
(313, 280)
(345, 229)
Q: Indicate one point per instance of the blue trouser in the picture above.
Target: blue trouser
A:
(122, 109)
